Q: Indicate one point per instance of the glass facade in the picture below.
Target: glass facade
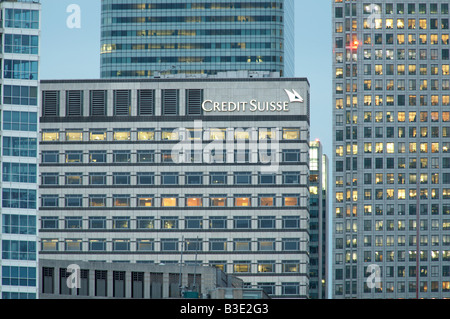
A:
(391, 162)
(143, 38)
(19, 103)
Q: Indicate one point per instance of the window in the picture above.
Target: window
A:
(121, 222)
(97, 178)
(25, 147)
(97, 222)
(267, 179)
(74, 103)
(194, 223)
(218, 178)
(97, 200)
(216, 244)
(73, 201)
(145, 222)
(170, 103)
(291, 200)
(97, 156)
(121, 178)
(145, 200)
(74, 135)
(50, 179)
(22, 70)
(74, 157)
(218, 222)
(266, 200)
(218, 201)
(146, 102)
(122, 102)
(291, 178)
(266, 222)
(168, 134)
(169, 222)
(169, 179)
(242, 222)
(169, 201)
(194, 100)
(146, 156)
(291, 134)
(50, 135)
(98, 102)
(121, 156)
(121, 134)
(242, 178)
(49, 200)
(194, 178)
(97, 135)
(146, 134)
(242, 201)
(20, 95)
(121, 200)
(194, 201)
(74, 178)
(145, 178)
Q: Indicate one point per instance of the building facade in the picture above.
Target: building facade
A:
(19, 34)
(100, 280)
(146, 38)
(204, 171)
(391, 204)
(318, 224)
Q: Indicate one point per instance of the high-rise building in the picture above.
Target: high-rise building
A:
(318, 223)
(206, 171)
(391, 168)
(19, 34)
(146, 38)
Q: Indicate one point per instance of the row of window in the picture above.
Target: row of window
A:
(149, 222)
(389, 163)
(169, 245)
(391, 8)
(172, 134)
(389, 148)
(194, 19)
(402, 54)
(19, 276)
(27, 174)
(188, 32)
(391, 240)
(392, 210)
(21, 44)
(401, 257)
(393, 194)
(176, 157)
(389, 287)
(20, 121)
(390, 117)
(21, 18)
(234, 5)
(123, 201)
(399, 24)
(390, 69)
(108, 48)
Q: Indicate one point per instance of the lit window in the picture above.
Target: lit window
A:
(146, 135)
(217, 134)
(50, 136)
(291, 134)
(242, 201)
(122, 135)
(169, 202)
(97, 136)
(194, 201)
(145, 201)
(290, 201)
(170, 135)
(74, 135)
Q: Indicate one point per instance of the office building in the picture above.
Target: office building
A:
(391, 203)
(19, 58)
(147, 38)
(319, 221)
(205, 171)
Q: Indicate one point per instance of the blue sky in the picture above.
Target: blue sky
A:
(75, 53)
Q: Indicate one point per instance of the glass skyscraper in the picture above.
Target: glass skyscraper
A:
(147, 38)
(19, 103)
(391, 168)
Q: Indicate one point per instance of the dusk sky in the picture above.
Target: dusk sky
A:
(74, 53)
